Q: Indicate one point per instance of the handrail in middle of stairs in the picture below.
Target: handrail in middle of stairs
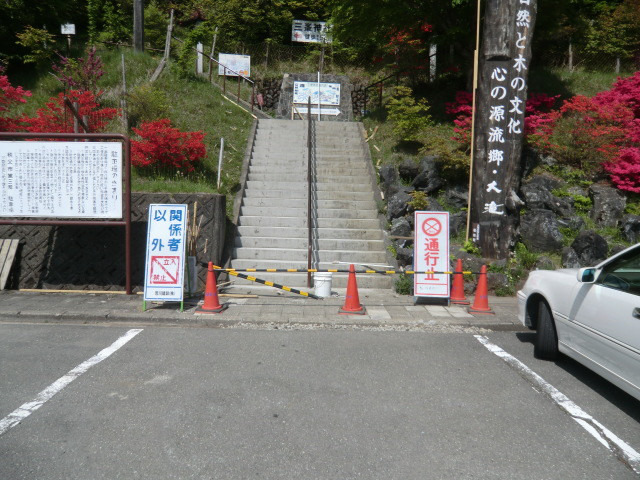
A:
(310, 145)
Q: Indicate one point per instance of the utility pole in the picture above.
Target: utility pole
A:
(138, 25)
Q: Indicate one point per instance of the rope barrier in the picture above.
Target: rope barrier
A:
(267, 283)
(332, 270)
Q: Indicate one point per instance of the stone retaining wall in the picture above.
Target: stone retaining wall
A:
(93, 258)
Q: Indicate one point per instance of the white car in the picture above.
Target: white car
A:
(591, 315)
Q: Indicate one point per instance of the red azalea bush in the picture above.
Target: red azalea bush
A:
(81, 73)
(163, 147)
(598, 133)
(52, 118)
(9, 97)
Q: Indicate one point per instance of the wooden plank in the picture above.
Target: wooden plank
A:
(8, 248)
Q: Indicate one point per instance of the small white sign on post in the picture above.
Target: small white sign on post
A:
(164, 265)
(235, 64)
(431, 254)
(68, 29)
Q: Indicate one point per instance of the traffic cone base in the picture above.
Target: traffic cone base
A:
(481, 300)
(352, 302)
(211, 303)
(457, 289)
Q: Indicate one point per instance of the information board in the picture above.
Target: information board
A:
(61, 179)
(164, 265)
(238, 63)
(431, 253)
(329, 93)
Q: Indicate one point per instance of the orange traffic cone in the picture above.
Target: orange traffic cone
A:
(481, 300)
(211, 302)
(352, 303)
(457, 290)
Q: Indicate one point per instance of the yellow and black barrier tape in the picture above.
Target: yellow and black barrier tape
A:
(336, 270)
(233, 272)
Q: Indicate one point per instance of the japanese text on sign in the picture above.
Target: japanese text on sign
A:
(506, 111)
(329, 93)
(164, 266)
(61, 179)
(431, 253)
(234, 63)
(310, 32)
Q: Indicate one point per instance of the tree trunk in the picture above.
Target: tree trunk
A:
(499, 124)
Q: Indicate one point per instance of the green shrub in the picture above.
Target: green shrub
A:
(524, 257)
(470, 247)
(419, 200)
(39, 42)
(408, 116)
(146, 103)
(404, 284)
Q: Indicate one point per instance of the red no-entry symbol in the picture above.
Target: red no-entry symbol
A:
(431, 226)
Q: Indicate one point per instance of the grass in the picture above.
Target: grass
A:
(191, 104)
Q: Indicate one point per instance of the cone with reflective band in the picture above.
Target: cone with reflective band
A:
(352, 303)
(211, 302)
(481, 300)
(457, 290)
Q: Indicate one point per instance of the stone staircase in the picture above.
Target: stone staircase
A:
(272, 227)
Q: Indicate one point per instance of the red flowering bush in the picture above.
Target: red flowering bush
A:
(10, 96)
(52, 118)
(536, 106)
(598, 133)
(162, 147)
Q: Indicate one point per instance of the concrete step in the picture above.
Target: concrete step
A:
(302, 232)
(295, 222)
(301, 243)
(301, 211)
(320, 204)
(301, 177)
(319, 186)
(284, 254)
(353, 168)
(302, 194)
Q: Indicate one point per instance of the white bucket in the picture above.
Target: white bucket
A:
(322, 283)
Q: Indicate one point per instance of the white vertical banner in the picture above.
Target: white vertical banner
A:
(164, 265)
(431, 254)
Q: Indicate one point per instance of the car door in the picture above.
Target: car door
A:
(605, 317)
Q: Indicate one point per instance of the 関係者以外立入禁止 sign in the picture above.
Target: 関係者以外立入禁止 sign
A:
(164, 266)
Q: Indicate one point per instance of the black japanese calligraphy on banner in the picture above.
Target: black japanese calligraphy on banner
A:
(499, 124)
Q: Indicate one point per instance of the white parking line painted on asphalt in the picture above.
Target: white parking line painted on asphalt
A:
(26, 409)
(606, 437)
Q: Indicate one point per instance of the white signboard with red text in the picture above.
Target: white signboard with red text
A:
(164, 267)
(431, 254)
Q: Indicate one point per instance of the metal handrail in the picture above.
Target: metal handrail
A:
(224, 82)
(380, 84)
(309, 199)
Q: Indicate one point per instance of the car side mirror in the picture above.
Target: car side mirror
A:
(587, 275)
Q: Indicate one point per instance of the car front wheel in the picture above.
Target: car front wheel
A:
(546, 345)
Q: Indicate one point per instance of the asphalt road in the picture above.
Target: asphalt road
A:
(313, 404)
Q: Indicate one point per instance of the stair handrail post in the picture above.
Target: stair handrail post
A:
(309, 231)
